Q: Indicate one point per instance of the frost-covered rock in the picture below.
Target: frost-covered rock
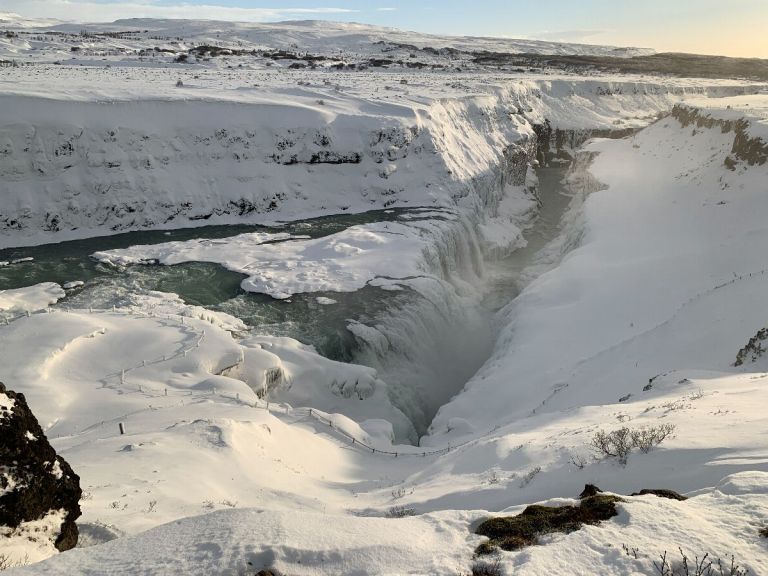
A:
(39, 492)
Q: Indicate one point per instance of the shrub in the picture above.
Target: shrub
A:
(754, 348)
(704, 567)
(6, 562)
(646, 438)
(616, 444)
(400, 512)
(487, 568)
(620, 443)
(529, 476)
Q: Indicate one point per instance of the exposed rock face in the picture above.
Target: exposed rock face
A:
(34, 481)
(589, 491)
(559, 144)
(745, 148)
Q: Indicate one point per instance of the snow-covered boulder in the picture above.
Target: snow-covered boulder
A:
(39, 492)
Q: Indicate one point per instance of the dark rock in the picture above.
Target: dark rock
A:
(269, 572)
(661, 494)
(44, 481)
(589, 490)
(515, 532)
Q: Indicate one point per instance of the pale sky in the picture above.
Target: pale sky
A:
(729, 27)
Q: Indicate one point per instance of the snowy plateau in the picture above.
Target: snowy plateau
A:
(310, 298)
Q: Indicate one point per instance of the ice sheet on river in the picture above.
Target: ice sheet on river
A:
(282, 265)
(30, 298)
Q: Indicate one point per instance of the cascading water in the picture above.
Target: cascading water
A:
(428, 346)
(434, 341)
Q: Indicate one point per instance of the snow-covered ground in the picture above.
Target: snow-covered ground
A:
(49, 39)
(244, 451)
(92, 145)
(30, 299)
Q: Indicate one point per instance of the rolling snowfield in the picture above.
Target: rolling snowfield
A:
(488, 338)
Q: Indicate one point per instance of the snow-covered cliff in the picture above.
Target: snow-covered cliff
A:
(102, 159)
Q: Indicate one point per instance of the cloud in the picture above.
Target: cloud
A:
(93, 11)
(385, 9)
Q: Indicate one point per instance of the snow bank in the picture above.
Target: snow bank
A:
(30, 299)
(302, 543)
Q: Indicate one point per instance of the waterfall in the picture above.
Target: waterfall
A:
(431, 343)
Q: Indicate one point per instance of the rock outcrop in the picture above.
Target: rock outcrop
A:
(35, 483)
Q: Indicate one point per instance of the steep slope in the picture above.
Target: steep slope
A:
(668, 249)
(136, 153)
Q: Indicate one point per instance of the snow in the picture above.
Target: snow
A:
(30, 299)
(334, 38)
(32, 541)
(6, 405)
(117, 149)
(235, 541)
(753, 107)
(243, 447)
(662, 257)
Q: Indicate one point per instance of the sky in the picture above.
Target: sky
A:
(728, 27)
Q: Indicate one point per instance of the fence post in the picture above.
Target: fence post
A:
(121, 427)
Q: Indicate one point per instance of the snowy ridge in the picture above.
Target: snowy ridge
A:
(318, 36)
